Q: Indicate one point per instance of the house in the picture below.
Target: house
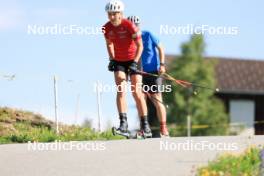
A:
(241, 84)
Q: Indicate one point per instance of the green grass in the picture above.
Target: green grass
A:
(17, 126)
(247, 163)
(43, 134)
(81, 134)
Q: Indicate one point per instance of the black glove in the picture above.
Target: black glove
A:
(111, 65)
(133, 67)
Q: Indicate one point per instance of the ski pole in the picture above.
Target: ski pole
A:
(183, 83)
(155, 99)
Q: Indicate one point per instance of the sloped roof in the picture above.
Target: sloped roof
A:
(238, 75)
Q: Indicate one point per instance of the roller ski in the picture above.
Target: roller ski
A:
(117, 131)
(145, 131)
(123, 128)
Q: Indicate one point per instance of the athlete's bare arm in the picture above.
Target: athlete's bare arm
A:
(139, 49)
(110, 48)
(161, 53)
(162, 57)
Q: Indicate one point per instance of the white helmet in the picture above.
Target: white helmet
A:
(134, 19)
(114, 6)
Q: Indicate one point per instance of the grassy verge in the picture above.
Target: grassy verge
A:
(44, 134)
(18, 126)
(245, 164)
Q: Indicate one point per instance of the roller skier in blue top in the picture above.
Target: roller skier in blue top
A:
(153, 62)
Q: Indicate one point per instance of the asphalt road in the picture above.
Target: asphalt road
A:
(150, 157)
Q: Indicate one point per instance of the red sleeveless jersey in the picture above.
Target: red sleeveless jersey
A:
(122, 37)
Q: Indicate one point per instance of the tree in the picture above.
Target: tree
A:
(204, 107)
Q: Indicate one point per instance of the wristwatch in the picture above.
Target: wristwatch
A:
(162, 64)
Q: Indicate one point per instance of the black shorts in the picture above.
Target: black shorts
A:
(152, 84)
(124, 67)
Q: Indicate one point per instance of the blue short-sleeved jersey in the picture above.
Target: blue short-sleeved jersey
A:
(149, 58)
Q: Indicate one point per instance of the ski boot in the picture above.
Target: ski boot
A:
(123, 128)
(145, 131)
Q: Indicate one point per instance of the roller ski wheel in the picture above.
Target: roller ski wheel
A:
(116, 132)
(142, 135)
(164, 135)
